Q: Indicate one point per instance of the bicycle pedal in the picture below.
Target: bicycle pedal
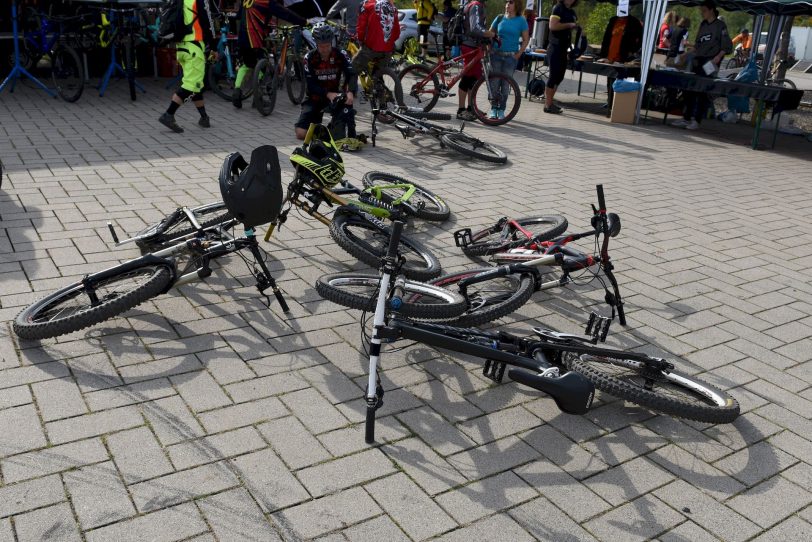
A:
(463, 237)
(597, 327)
(495, 370)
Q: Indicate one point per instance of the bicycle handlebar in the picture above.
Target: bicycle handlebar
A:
(601, 200)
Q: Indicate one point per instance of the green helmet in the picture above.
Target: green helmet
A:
(319, 159)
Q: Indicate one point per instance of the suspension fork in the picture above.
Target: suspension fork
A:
(266, 281)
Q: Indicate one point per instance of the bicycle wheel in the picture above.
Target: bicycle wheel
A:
(783, 83)
(471, 146)
(265, 84)
(295, 80)
(732, 63)
(388, 92)
(368, 242)
(420, 92)
(74, 308)
(219, 80)
(673, 393)
(483, 98)
(419, 300)
(179, 226)
(502, 237)
(491, 299)
(427, 115)
(67, 73)
(423, 204)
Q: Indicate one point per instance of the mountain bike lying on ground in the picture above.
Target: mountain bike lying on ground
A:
(355, 224)
(567, 367)
(409, 126)
(493, 292)
(190, 239)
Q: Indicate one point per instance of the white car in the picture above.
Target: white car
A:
(408, 29)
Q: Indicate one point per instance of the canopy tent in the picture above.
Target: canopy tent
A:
(759, 7)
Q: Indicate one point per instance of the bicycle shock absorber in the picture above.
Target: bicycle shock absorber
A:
(369, 199)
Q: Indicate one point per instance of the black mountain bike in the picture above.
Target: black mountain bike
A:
(567, 367)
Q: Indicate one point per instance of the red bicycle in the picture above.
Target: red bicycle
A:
(424, 85)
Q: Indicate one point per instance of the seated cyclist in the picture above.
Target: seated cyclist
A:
(378, 29)
(328, 73)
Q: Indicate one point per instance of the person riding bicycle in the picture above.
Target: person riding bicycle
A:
(377, 30)
(743, 40)
(191, 55)
(330, 81)
(255, 17)
(475, 33)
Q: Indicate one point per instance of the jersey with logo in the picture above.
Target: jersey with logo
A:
(327, 75)
(378, 25)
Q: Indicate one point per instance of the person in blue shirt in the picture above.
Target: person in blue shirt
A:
(511, 27)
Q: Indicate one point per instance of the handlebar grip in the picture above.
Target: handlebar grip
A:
(601, 200)
(394, 239)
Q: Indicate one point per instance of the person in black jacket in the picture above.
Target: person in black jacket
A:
(562, 21)
(710, 47)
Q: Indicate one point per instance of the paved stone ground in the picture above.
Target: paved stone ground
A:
(205, 416)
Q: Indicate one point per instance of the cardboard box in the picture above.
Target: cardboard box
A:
(624, 105)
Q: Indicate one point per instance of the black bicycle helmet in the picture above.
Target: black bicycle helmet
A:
(322, 33)
(320, 159)
(252, 192)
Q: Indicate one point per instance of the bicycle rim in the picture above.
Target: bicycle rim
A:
(673, 393)
(67, 74)
(473, 147)
(295, 81)
(416, 93)
(206, 215)
(388, 93)
(419, 300)
(72, 308)
(265, 87)
(423, 203)
(491, 299)
(500, 89)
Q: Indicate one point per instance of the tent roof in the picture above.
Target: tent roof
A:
(775, 7)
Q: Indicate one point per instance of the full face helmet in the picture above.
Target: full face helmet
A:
(318, 159)
(252, 191)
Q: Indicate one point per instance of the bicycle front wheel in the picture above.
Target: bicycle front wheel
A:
(295, 82)
(67, 73)
(500, 90)
(265, 84)
(219, 79)
(368, 242)
(500, 238)
(671, 393)
(419, 90)
(388, 93)
(491, 299)
(473, 147)
(158, 235)
(83, 304)
(423, 203)
(419, 300)
(783, 83)
(732, 64)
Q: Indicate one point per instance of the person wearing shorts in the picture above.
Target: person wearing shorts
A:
(191, 55)
(562, 21)
(475, 33)
(328, 73)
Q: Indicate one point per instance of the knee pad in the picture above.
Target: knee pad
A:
(184, 94)
(196, 97)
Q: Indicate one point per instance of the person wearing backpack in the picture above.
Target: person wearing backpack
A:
(475, 33)
(255, 19)
(562, 21)
(196, 31)
(447, 15)
(426, 11)
(511, 27)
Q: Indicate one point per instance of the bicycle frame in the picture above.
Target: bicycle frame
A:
(469, 60)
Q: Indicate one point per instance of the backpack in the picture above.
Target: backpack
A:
(456, 26)
(171, 27)
(536, 87)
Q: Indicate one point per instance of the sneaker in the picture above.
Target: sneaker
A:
(693, 125)
(466, 114)
(204, 122)
(500, 114)
(169, 121)
(236, 98)
(681, 123)
(493, 114)
(554, 109)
